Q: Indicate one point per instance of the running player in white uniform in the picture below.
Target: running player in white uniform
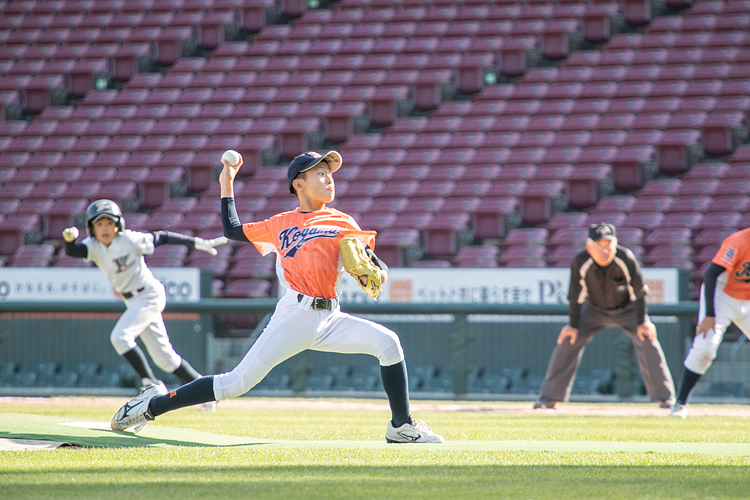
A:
(309, 263)
(725, 299)
(119, 254)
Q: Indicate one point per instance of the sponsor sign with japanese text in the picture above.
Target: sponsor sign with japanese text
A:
(495, 286)
(88, 284)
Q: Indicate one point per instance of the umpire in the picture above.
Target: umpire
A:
(606, 289)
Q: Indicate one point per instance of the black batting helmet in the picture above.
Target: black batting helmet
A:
(104, 208)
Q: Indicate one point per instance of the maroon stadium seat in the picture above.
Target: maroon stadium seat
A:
(477, 256)
(567, 237)
(244, 289)
(38, 170)
(184, 205)
(541, 200)
(653, 203)
(564, 220)
(588, 184)
(123, 193)
(444, 235)
(720, 220)
(399, 247)
(513, 56)
(614, 218)
(615, 203)
(526, 236)
(562, 256)
(711, 238)
(685, 220)
(730, 203)
(522, 252)
(254, 269)
(15, 190)
(632, 167)
(647, 221)
(17, 230)
(679, 151)
(711, 170)
(662, 187)
(733, 187)
(199, 222)
(723, 131)
(411, 220)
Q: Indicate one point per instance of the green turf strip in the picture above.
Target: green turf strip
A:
(97, 435)
(43, 427)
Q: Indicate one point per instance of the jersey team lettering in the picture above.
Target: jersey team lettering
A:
(743, 274)
(734, 256)
(122, 263)
(291, 239)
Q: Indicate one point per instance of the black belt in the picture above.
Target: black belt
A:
(129, 295)
(318, 303)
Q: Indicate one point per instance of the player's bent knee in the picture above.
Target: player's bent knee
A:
(699, 360)
(167, 363)
(390, 351)
(121, 344)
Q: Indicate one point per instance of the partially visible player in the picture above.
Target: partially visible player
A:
(719, 306)
(309, 245)
(119, 254)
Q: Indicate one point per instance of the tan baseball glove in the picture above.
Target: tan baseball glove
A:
(358, 264)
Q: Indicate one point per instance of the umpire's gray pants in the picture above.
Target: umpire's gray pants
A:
(566, 357)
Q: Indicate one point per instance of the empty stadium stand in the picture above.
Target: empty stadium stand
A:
(480, 133)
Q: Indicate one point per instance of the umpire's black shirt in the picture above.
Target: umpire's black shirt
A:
(610, 287)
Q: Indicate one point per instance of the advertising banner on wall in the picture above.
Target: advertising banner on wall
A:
(88, 284)
(495, 286)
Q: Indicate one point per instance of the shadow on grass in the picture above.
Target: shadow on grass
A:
(98, 435)
(115, 439)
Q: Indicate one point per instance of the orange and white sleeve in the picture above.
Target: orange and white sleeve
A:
(259, 234)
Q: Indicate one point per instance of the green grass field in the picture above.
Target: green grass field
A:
(340, 453)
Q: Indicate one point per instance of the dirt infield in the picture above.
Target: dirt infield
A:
(599, 409)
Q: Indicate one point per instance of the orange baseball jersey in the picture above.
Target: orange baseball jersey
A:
(307, 247)
(734, 255)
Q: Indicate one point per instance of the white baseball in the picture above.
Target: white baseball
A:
(231, 157)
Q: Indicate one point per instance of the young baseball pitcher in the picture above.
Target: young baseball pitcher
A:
(719, 306)
(118, 253)
(314, 246)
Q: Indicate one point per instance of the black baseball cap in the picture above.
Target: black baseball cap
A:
(308, 160)
(602, 231)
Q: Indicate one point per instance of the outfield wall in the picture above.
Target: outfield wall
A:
(454, 340)
(489, 331)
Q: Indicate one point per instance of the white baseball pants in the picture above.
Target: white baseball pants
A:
(295, 327)
(727, 310)
(143, 319)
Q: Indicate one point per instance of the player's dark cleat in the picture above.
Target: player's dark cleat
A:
(545, 403)
(414, 432)
(134, 414)
(678, 411)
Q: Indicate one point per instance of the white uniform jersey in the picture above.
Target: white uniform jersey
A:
(122, 261)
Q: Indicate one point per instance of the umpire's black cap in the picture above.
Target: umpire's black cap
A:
(602, 231)
(308, 160)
